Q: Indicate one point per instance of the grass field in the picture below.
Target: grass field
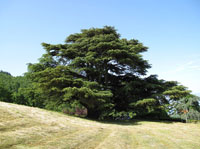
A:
(24, 127)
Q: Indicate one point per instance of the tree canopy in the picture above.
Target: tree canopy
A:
(100, 74)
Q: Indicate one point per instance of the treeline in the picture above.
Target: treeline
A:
(19, 90)
(99, 75)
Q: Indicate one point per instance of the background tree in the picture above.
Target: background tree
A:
(19, 90)
(6, 86)
(189, 108)
(174, 94)
(5, 94)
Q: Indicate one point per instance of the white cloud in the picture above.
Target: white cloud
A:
(187, 74)
(193, 65)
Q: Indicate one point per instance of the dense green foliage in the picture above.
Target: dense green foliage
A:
(98, 74)
(19, 90)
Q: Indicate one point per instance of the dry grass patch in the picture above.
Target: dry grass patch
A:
(24, 127)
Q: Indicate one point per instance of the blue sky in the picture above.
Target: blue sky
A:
(170, 28)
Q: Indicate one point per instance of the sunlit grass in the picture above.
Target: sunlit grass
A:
(24, 127)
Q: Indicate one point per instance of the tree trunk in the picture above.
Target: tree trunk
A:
(93, 114)
(186, 119)
(186, 115)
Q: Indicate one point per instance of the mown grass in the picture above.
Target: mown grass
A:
(24, 127)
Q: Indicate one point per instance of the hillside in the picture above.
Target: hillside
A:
(24, 127)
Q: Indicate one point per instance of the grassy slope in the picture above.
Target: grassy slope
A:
(24, 127)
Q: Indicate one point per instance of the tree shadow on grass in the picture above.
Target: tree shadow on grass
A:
(132, 122)
(121, 122)
(116, 122)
